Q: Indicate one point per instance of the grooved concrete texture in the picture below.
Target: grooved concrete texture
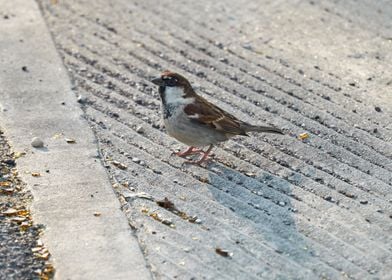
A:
(285, 208)
(36, 100)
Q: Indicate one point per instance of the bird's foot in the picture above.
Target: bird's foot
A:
(204, 158)
(190, 151)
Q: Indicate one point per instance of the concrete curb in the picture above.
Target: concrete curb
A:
(36, 100)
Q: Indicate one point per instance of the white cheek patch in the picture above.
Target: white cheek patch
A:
(174, 95)
(194, 116)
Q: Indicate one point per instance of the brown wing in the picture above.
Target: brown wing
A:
(203, 112)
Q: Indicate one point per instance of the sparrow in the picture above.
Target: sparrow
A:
(196, 122)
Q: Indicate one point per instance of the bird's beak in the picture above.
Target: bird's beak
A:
(157, 81)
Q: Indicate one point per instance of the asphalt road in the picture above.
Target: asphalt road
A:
(267, 207)
(21, 250)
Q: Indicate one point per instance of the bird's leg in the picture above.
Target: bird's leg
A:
(203, 158)
(190, 151)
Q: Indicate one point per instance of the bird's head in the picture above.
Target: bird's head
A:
(173, 88)
(171, 79)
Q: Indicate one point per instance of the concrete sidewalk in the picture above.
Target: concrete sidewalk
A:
(86, 233)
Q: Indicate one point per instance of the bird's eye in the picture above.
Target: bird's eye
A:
(170, 81)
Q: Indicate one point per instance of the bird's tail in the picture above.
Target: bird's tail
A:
(266, 129)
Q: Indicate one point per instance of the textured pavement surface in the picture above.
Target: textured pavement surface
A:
(281, 207)
(85, 231)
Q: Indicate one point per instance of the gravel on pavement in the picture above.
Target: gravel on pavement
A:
(22, 254)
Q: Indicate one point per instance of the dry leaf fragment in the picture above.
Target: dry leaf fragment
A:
(7, 191)
(156, 217)
(204, 180)
(35, 174)
(166, 203)
(44, 256)
(18, 219)
(25, 225)
(19, 154)
(144, 210)
(303, 136)
(57, 136)
(5, 184)
(36, 249)
(10, 212)
(119, 165)
(223, 253)
(23, 213)
(47, 273)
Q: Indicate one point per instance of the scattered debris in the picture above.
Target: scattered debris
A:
(140, 129)
(282, 203)
(378, 109)
(303, 136)
(223, 253)
(81, 99)
(119, 165)
(35, 174)
(158, 218)
(329, 198)
(250, 174)
(129, 196)
(57, 136)
(97, 214)
(70, 141)
(37, 142)
(6, 190)
(24, 69)
(204, 180)
(19, 154)
(10, 212)
(167, 204)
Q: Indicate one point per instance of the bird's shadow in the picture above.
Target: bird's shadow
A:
(263, 204)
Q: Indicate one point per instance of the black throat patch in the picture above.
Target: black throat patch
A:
(167, 109)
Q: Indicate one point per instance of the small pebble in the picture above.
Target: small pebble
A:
(140, 129)
(364, 202)
(37, 142)
(136, 160)
(82, 99)
(282, 203)
(329, 198)
(378, 109)
(24, 68)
